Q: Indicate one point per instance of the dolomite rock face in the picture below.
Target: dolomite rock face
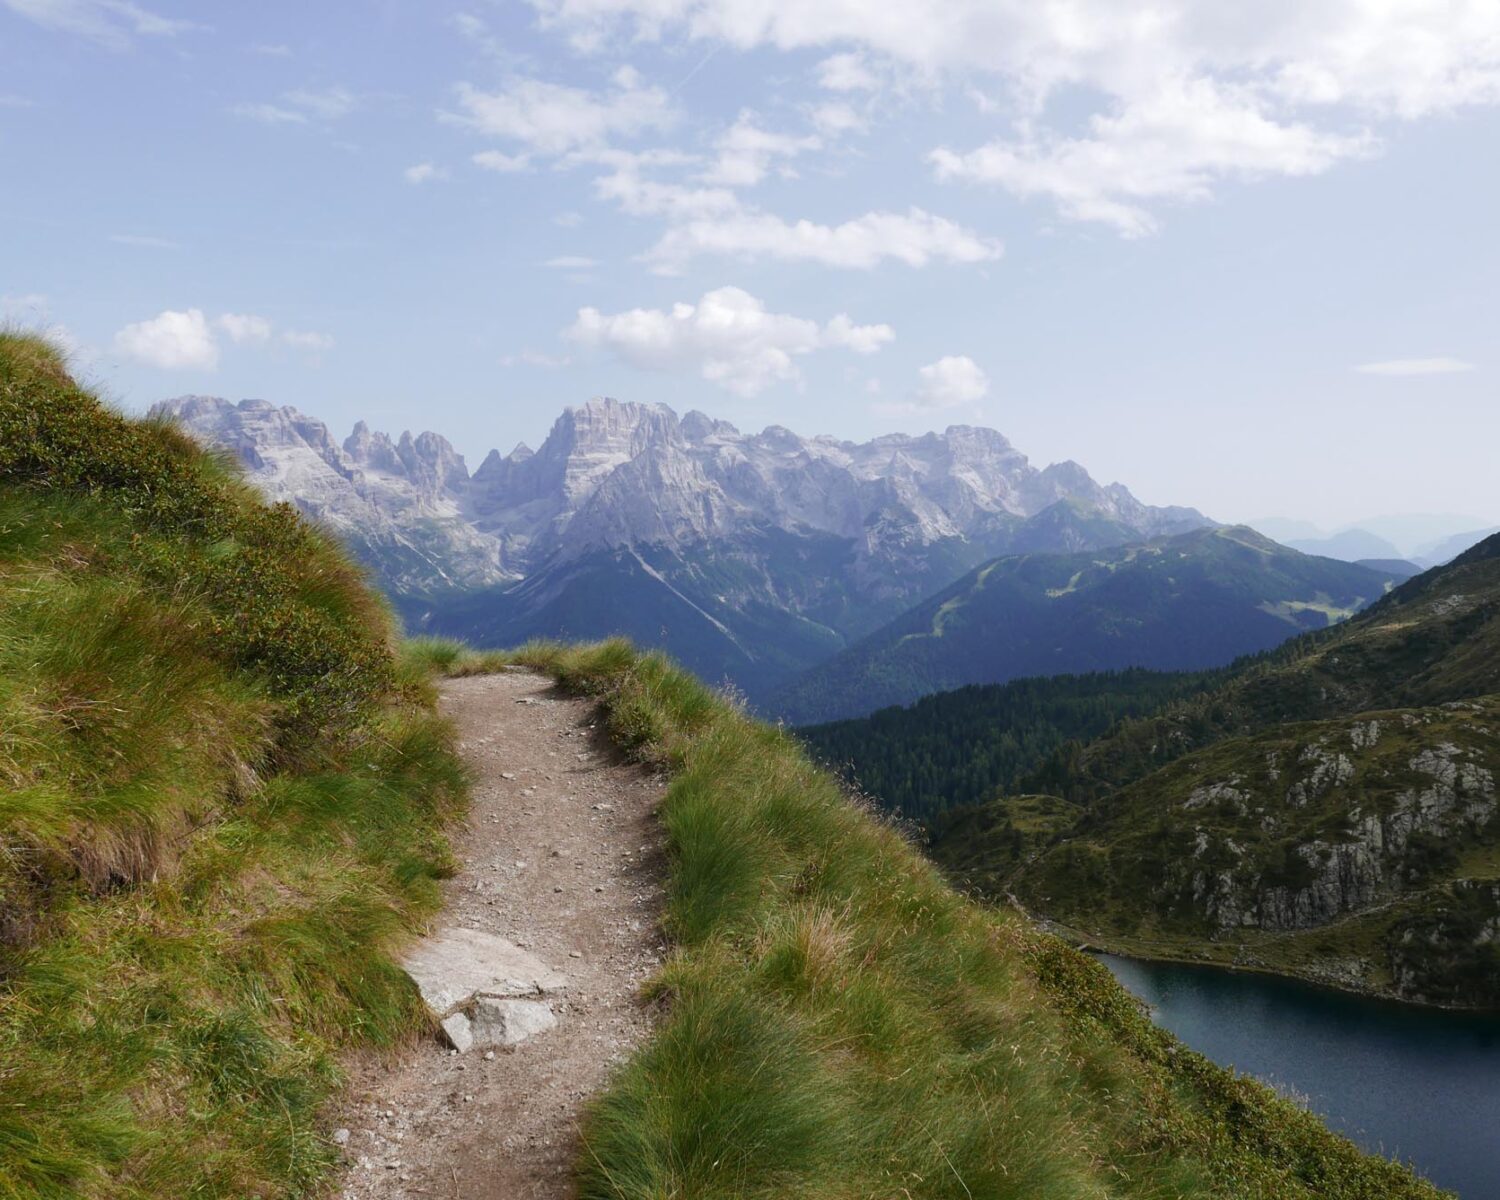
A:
(398, 505)
(613, 474)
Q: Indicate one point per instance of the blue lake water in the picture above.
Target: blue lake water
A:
(1410, 1083)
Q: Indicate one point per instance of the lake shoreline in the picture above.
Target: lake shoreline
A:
(1417, 1084)
(1197, 954)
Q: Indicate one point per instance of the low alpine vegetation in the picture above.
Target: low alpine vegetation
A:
(221, 803)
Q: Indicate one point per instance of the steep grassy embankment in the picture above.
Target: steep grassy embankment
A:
(221, 799)
(840, 1023)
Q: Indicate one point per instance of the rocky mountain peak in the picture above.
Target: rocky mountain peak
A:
(615, 473)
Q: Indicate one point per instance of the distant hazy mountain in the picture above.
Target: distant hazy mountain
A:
(1196, 600)
(1418, 537)
(1438, 553)
(747, 555)
(1349, 546)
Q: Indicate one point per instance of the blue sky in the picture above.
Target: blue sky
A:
(1244, 262)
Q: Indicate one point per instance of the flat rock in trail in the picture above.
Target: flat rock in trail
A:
(452, 967)
(559, 864)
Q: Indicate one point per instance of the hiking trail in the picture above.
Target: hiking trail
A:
(561, 855)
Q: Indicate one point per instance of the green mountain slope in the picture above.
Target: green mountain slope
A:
(959, 748)
(1329, 810)
(220, 803)
(1185, 603)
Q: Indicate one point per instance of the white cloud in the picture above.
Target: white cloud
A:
(11, 101)
(1172, 145)
(424, 173)
(835, 118)
(553, 118)
(727, 338)
(172, 341)
(306, 340)
(847, 73)
(243, 328)
(746, 151)
(111, 23)
(301, 106)
(1416, 366)
(188, 340)
(327, 104)
(951, 381)
(568, 220)
(915, 238)
(1182, 95)
(271, 49)
(269, 114)
(494, 160)
(626, 184)
(571, 262)
(144, 241)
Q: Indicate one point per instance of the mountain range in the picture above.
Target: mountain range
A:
(1195, 600)
(750, 557)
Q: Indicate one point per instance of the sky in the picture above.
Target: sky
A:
(1243, 257)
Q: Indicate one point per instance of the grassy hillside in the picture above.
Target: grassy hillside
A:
(220, 803)
(1189, 602)
(839, 1023)
(1329, 810)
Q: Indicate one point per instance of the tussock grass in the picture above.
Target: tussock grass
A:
(840, 1023)
(221, 806)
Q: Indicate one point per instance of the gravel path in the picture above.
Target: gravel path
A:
(561, 856)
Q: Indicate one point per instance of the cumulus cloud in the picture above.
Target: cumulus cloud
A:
(425, 172)
(571, 262)
(302, 339)
(847, 73)
(1173, 145)
(506, 164)
(301, 106)
(1184, 94)
(1416, 366)
(953, 380)
(172, 341)
(553, 119)
(728, 338)
(189, 341)
(915, 238)
(746, 151)
(144, 241)
(245, 329)
(111, 23)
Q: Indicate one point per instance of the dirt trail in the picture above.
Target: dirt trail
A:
(561, 857)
